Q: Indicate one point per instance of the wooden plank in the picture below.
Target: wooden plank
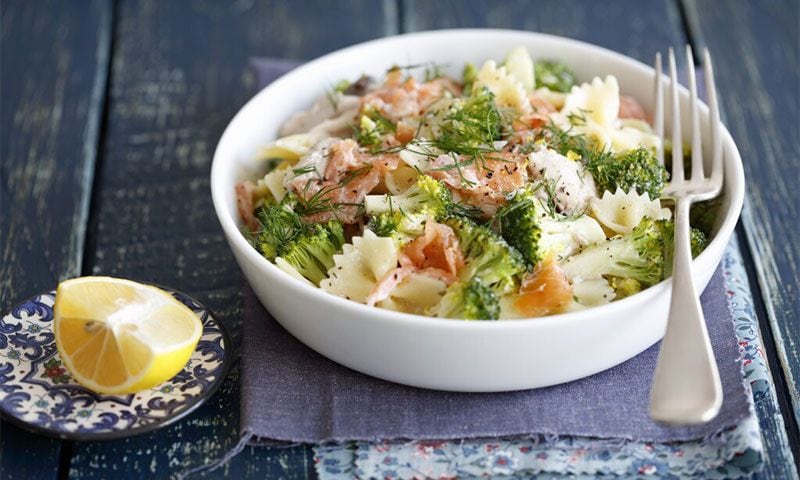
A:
(53, 62)
(180, 72)
(635, 28)
(756, 46)
(54, 65)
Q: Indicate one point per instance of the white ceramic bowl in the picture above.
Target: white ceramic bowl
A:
(440, 353)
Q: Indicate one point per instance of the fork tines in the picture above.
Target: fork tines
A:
(697, 175)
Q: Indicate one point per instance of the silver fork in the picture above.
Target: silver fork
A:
(686, 386)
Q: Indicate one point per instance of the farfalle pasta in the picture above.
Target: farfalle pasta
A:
(362, 264)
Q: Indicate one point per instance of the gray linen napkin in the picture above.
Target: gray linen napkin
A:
(292, 394)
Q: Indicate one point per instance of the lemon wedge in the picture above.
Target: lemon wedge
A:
(116, 336)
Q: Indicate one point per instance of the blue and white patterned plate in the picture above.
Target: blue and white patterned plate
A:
(38, 393)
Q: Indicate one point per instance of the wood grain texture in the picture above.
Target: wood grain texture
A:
(756, 47)
(53, 62)
(633, 27)
(179, 73)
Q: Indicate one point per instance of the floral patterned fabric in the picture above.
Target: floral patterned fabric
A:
(732, 453)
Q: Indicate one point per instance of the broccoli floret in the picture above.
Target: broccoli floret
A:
(468, 76)
(553, 75)
(698, 241)
(536, 232)
(703, 215)
(624, 287)
(428, 194)
(638, 255)
(487, 255)
(398, 225)
(644, 255)
(311, 252)
(635, 169)
(519, 224)
(469, 300)
(384, 224)
(309, 248)
(403, 216)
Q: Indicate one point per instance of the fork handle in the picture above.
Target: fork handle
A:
(686, 386)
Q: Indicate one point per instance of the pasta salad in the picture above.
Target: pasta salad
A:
(511, 192)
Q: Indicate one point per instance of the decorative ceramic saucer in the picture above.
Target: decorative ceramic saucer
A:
(38, 394)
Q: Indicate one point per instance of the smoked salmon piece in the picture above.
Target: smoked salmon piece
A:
(437, 248)
(348, 175)
(545, 291)
(403, 97)
(484, 183)
(435, 253)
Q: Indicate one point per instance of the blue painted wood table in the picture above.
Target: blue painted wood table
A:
(111, 111)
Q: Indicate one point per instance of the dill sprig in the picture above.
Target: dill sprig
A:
(466, 210)
(550, 205)
(306, 169)
(578, 118)
(565, 141)
(457, 165)
(472, 126)
(496, 222)
(465, 130)
(279, 226)
(321, 202)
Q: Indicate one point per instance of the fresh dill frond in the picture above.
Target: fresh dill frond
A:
(280, 224)
(303, 170)
(321, 202)
(353, 174)
(457, 165)
(578, 118)
(566, 141)
(471, 126)
(563, 141)
(550, 204)
(466, 210)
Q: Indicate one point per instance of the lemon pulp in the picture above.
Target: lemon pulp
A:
(117, 336)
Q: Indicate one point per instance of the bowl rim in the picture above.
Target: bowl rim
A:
(238, 241)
